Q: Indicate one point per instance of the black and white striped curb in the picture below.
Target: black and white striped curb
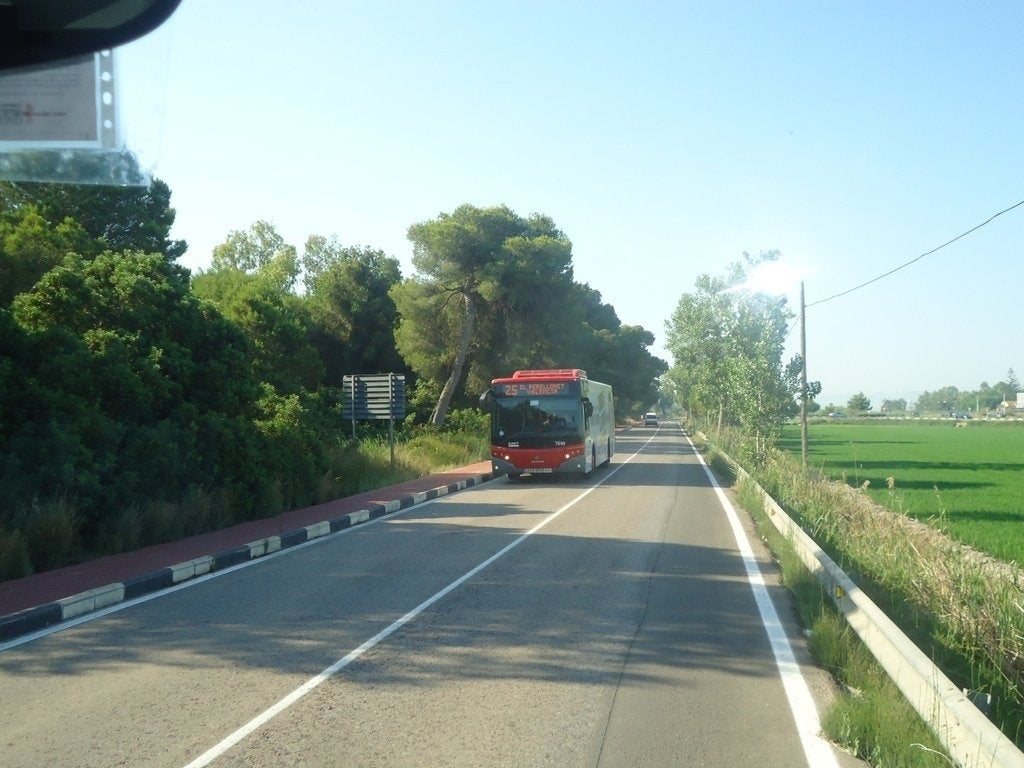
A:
(48, 614)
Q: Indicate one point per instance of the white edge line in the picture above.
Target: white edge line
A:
(817, 750)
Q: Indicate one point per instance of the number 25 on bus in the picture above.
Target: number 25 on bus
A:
(552, 421)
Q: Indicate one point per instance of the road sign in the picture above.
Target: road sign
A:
(374, 396)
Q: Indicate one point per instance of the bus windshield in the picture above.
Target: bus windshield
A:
(537, 420)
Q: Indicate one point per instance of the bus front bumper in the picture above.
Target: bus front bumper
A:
(514, 466)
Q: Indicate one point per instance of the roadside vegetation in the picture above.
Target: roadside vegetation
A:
(870, 718)
(962, 480)
(48, 535)
(957, 590)
(961, 606)
(140, 402)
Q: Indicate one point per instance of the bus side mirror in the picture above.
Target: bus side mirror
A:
(487, 401)
(588, 407)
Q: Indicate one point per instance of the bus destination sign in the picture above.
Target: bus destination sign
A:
(536, 388)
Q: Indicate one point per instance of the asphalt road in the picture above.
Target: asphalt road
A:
(627, 619)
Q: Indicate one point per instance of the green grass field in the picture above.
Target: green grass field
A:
(968, 482)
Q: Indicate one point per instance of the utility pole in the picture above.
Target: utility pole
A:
(803, 376)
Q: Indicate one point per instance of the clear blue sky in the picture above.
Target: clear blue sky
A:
(665, 139)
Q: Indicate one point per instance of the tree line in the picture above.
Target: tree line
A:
(727, 341)
(129, 384)
(986, 398)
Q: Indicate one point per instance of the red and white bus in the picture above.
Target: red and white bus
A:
(552, 421)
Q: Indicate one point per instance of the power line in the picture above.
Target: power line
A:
(918, 258)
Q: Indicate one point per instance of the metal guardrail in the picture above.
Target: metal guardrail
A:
(970, 738)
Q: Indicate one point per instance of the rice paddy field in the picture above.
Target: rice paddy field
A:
(969, 482)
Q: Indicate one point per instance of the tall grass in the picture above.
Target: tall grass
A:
(965, 481)
(870, 717)
(962, 607)
(50, 529)
(365, 464)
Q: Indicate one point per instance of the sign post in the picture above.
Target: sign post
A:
(371, 397)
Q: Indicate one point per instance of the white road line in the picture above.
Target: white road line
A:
(195, 582)
(214, 752)
(817, 750)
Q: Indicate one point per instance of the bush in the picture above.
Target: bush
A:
(260, 474)
(468, 420)
(51, 532)
(294, 454)
(14, 559)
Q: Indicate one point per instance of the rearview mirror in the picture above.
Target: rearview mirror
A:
(487, 401)
(42, 31)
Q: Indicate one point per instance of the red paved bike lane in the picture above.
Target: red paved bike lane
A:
(43, 599)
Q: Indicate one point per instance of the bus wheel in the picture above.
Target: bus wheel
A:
(608, 461)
